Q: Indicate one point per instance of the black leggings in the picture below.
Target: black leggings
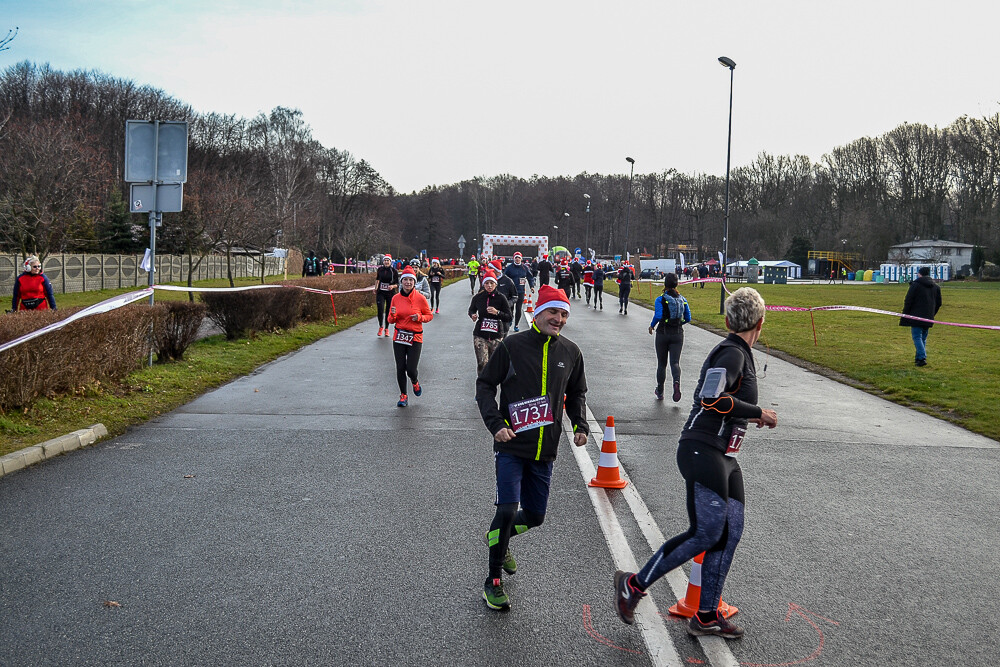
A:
(435, 294)
(517, 309)
(669, 341)
(599, 294)
(382, 300)
(715, 500)
(623, 292)
(407, 358)
(472, 283)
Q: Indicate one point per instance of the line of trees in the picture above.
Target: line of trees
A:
(265, 181)
(913, 182)
(252, 183)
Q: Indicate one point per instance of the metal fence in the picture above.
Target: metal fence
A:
(82, 273)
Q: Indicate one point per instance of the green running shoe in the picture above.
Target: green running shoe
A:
(509, 564)
(495, 596)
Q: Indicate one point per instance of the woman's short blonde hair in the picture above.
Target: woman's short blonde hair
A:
(744, 309)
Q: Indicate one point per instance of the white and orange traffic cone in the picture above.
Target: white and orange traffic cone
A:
(608, 476)
(689, 605)
(529, 304)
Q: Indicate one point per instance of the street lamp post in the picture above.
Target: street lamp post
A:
(628, 208)
(731, 66)
(586, 243)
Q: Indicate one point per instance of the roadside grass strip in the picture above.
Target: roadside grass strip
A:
(859, 342)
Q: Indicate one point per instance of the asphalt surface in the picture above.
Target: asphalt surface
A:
(296, 516)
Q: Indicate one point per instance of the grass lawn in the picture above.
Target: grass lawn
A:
(872, 352)
(149, 392)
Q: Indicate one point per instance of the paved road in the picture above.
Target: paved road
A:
(296, 516)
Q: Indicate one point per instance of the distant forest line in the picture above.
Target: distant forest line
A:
(265, 181)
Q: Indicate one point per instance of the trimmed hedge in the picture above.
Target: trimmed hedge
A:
(177, 326)
(108, 346)
(99, 348)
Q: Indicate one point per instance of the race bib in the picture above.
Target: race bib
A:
(385, 287)
(524, 281)
(530, 413)
(735, 441)
(402, 336)
(490, 325)
(435, 279)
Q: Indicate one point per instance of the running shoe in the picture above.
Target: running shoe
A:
(380, 330)
(677, 391)
(495, 596)
(720, 627)
(509, 564)
(416, 389)
(920, 362)
(658, 393)
(402, 401)
(516, 329)
(627, 596)
(437, 310)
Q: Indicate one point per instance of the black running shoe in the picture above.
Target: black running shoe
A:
(720, 627)
(658, 393)
(495, 596)
(627, 596)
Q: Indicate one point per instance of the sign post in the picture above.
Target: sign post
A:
(156, 170)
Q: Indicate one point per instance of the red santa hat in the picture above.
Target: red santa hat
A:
(489, 275)
(408, 271)
(497, 265)
(517, 254)
(550, 297)
(387, 256)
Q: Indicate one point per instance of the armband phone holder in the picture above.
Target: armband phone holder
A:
(715, 383)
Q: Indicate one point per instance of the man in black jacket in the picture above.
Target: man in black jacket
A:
(538, 372)
(923, 299)
(544, 270)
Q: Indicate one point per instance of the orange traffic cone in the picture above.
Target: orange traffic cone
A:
(608, 476)
(529, 304)
(689, 605)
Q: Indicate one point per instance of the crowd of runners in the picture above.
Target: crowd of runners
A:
(526, 380)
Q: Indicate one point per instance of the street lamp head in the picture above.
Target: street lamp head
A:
(727, 62)
(630, 160)
(586, 196)
(566, 214)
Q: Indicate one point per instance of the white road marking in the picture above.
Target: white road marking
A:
(654, 633)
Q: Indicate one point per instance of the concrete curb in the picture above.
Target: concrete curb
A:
(50, 448)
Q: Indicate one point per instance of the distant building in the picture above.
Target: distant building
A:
(957, 255)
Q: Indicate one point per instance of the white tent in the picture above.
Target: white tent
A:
(794, 270)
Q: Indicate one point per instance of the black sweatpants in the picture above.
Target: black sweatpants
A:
(382, 300)
(623, 292)
(435, 295)
(669, 341)
(407, 358)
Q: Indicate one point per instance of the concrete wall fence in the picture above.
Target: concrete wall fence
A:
(82, 273)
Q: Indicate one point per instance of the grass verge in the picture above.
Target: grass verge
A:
(871, 351)
(149, 392)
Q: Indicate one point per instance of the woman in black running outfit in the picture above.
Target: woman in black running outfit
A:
(436, 277)
(725, 403)
(386, 280)
(672, 312)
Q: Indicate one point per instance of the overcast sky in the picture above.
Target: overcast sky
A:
(438, 91)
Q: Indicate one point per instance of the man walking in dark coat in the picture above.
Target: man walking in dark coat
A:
(923, 299)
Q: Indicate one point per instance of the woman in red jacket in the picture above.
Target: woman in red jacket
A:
(408, 311)
(32, 290)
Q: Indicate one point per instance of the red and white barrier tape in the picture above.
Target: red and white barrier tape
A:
(125, 299)
(858, 308)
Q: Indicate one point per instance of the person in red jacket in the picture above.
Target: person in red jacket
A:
(408, 311)
(32, 290)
